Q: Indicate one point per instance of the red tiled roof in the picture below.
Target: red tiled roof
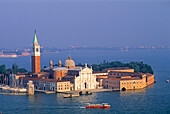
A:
(41, 79)
(102, 76)
(148, 74)
(95, 72)
(132, 78)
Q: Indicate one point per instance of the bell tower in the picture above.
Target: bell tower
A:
(35, 55)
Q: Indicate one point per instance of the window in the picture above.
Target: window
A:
(134, 82)
(36, 49)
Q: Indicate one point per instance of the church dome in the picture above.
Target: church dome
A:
(69, 62)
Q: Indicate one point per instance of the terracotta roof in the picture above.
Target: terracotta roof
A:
(102, 76)
(148, 74)
(128, 73)
(41, 79)
(95, 72)
(114, 78)
(132, 78)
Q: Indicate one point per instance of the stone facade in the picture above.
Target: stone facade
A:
(48, 84)
(127, 82)
(82, 78)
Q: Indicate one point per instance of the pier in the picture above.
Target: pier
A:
(14, 94)
(92, 90)
(44, 91)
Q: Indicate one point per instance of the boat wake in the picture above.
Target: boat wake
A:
(72, 107)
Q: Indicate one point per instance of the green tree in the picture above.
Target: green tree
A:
(2, 69)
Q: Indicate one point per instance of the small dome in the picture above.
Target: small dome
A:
(69, 62)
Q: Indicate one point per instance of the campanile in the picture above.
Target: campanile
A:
(35, 55)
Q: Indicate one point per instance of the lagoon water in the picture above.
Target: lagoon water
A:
(152, 99)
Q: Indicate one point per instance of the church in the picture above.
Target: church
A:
(80, 78)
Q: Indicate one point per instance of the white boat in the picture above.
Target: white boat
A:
(5, 88)
(13, 89)
(22, 90)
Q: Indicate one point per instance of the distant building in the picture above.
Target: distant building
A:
(125, 81)
(35, 56)
(14, 79)
(48, 84)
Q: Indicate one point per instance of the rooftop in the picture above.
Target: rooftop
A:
(41, 79)
(118, 68)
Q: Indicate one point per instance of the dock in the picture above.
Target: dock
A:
(92, 90)
(45, 91)
(13, 93)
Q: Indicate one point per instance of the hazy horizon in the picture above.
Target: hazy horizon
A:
(104, 23)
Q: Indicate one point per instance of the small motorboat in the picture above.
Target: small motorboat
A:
(85, 93)
(13, 89)
(167, 81)
(103, 105)
(22, 90)
(5, 87)
(71, 95)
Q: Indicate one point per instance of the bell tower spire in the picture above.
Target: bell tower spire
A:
(35, 38)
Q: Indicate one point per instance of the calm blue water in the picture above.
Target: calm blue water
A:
(153, 99)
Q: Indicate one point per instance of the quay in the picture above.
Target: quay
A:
(44, 91)
(77, 91)
(91, 90)
(13, 93)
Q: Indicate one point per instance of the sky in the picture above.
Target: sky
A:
(94, 23)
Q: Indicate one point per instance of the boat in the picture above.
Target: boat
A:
(13, 89)
(85, 93)
(22, 90)
(5, 88)
(71, 95)
(167, 81)
(103, 105)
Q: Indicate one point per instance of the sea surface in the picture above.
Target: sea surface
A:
(154, 99)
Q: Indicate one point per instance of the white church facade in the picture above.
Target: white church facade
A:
(82, 78)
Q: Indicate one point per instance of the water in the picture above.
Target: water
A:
(153, 99)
